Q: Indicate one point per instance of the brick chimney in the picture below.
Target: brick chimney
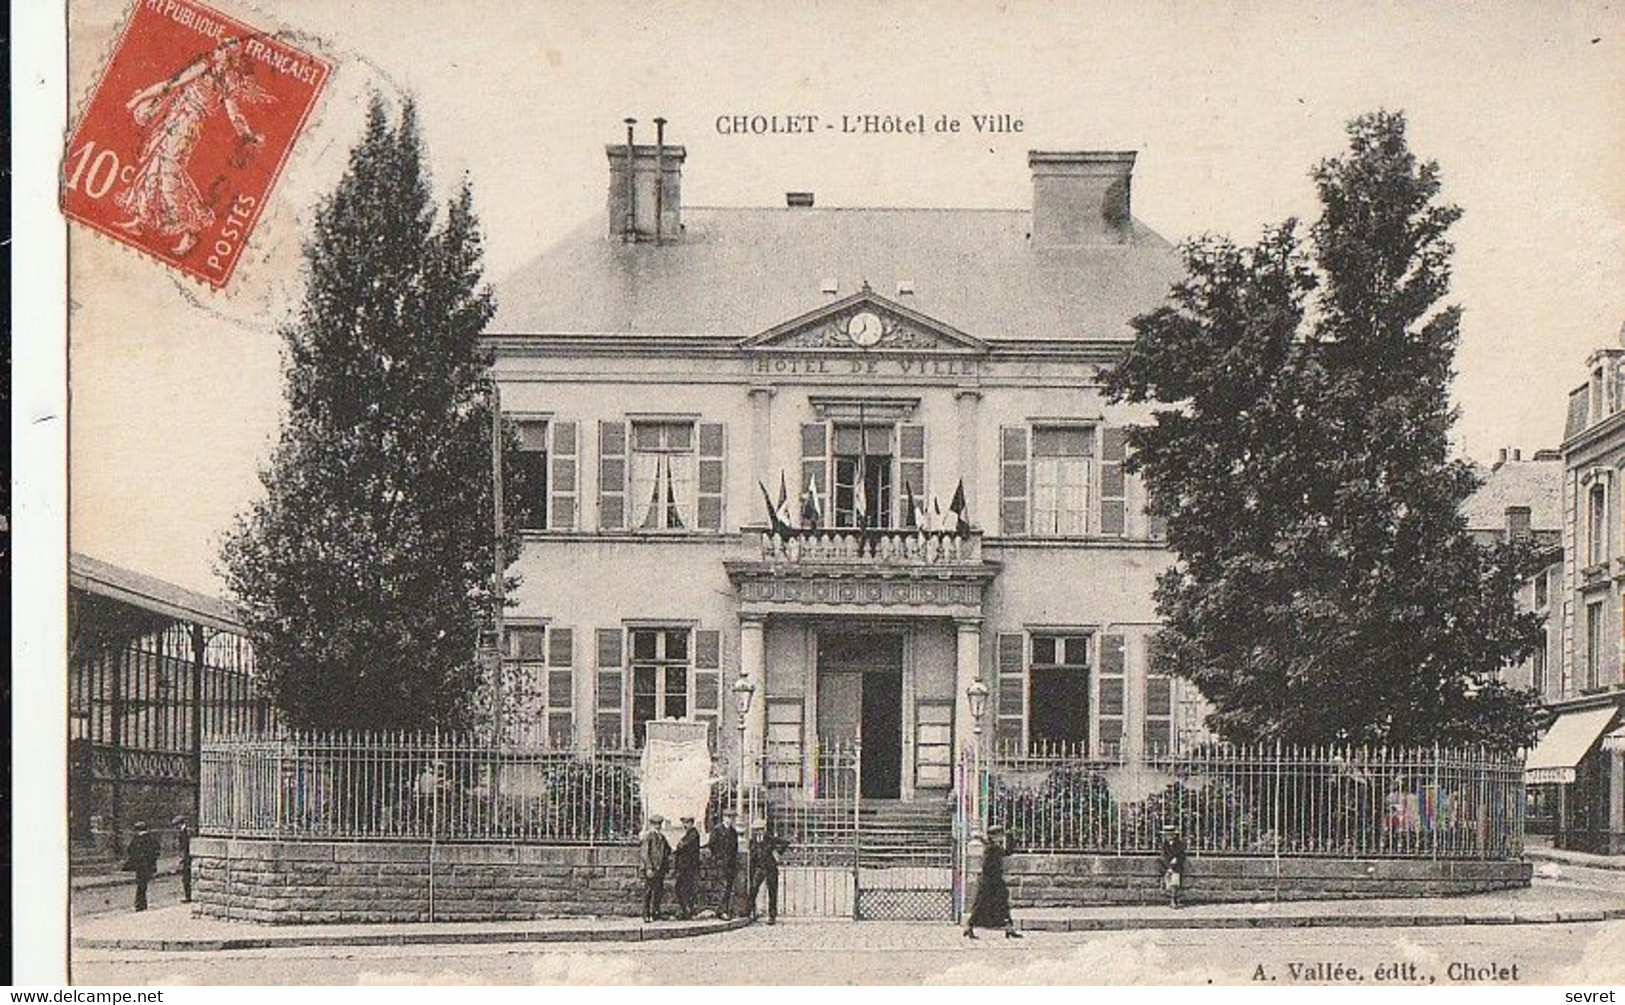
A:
(1081, 197)
(645, 187)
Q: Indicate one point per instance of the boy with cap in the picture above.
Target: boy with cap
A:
(183, 838)
(1172, 854)
(655, 856)
(687, 861)
(725, 859)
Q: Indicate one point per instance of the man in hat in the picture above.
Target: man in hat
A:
(655, 856)
(687, 861)
(725, 859)
(765, 848)
(1172, 853)
(141, 858)
(183, 838)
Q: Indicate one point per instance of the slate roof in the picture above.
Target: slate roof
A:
(1536, 484)
(739, 271)
(149, 593)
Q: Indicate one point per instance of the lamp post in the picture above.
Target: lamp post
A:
(976, 695)
(743, 691)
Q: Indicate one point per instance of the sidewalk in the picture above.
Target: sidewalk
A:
(1535, 905)
(177, 929)
(1544, 852)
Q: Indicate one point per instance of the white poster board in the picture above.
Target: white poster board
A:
(676, 771)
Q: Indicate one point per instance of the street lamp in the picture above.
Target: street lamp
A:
(976, 695)
(743, 691)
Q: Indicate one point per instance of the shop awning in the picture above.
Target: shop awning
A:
(1567, 741)
(1614, 742)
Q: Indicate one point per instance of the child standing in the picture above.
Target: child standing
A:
(1173, 863)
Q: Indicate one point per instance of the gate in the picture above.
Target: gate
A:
(814, 806)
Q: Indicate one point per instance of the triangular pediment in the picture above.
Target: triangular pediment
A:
(866, 322)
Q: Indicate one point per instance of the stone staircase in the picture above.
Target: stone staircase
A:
(917, 833)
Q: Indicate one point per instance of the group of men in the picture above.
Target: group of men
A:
(141, 858)
(657, 858)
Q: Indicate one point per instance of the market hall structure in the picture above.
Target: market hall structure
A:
(860, 456)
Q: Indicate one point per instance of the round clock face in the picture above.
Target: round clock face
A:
(864, 329)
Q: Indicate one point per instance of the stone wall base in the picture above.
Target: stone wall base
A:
(1096, 880)
(319, 881)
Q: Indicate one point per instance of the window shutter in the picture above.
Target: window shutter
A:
(612, 475)
(708, 681)
(561, 480)
(1010, 729)
(1113, 491)
(1112, 694)
(1156, 526)
(1013, 480)
(911, 469)
(610, 677)
(713, 438)
(814, 452)
(561, 695)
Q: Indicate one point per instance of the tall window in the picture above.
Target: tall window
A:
(863, 476)
(1058, 686)
(1061, 459)
(660, 672)
(1597, 525)
(530, 512)
(1594, 643)
(539, 684)
(1543, 596)
(663, 489)
(1537, 668)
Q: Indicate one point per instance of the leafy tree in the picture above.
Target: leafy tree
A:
(1326, 589)
(366, 571)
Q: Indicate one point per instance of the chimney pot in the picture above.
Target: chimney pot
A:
(645, 189)
(798, 200)
(1081, 197)
(1501, 457)
(1517, 454)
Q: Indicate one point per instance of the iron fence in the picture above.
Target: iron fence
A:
(416, 786)
(1290, 801)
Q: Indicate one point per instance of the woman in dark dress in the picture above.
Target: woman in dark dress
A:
(992, 907)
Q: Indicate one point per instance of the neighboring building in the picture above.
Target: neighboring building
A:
(152, 669)
(1523, 499)
(1581, 753)
(866, 364)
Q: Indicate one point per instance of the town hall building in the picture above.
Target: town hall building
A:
(861, 457)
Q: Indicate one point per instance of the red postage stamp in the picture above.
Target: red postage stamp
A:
(185, 134)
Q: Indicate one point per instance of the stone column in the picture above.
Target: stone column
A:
(967, 402)
(967, 667)
(761, 437)
(753, 666)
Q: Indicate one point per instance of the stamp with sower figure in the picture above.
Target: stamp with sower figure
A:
(185, 134)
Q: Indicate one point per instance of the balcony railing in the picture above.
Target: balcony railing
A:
(871, 547)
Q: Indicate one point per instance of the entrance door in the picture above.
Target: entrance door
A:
(860, 695)
(882, 734)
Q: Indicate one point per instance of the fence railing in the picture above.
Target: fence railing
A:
(414, 787)
(820, 820)
(1289, 801)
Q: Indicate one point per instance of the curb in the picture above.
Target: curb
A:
(429, 938)
(1615, 863)
(1319, 921)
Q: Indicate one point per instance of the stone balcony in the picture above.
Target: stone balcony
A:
(868, 572)
(847, 546)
